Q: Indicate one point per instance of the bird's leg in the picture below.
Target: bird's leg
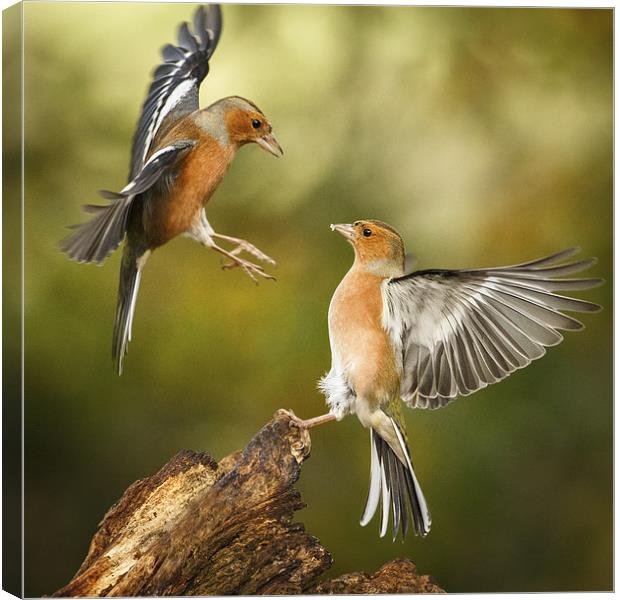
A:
(249, 268)
(308, 423)
(244, 245)
(203, 233)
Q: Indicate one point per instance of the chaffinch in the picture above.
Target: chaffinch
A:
(427, 338)
(179, 156)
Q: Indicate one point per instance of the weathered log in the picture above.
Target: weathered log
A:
(399, 576)
(202, 528)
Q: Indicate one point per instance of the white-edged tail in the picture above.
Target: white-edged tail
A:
(395, 484)
(129, 284)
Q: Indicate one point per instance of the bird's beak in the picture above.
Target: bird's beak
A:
(345, 229)
(268, 142)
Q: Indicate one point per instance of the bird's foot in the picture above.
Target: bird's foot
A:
(299, 435)
(245, 246)
(307, 423)
(251, 269)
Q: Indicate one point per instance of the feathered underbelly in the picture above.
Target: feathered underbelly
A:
(363, 359)
(178, 207)
(370, 366)
(174, 214)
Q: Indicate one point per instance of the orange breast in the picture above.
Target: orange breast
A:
(358, 339)
(200, 173)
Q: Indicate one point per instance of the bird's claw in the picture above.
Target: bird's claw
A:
(249, 268)
(244, 246)
(300, 444)
(295, 421)
(306, 424)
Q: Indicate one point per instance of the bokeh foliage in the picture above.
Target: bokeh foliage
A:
(483, 135)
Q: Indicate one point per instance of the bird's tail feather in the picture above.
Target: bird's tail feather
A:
(129, 283)
(95, 240)
(395, 484)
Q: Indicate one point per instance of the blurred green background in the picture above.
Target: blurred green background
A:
(483, 135)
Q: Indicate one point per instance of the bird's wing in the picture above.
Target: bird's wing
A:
(458, 331)
(158, 163)
(96, 239)
(174, 89)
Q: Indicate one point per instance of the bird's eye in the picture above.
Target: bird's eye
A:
(366, 232)
(256, 123)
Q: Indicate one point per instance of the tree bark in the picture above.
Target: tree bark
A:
(202, 528)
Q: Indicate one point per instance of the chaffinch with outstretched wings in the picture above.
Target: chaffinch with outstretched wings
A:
(427, 338)
(179, 156)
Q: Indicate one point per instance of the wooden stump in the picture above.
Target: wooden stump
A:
(202, 528)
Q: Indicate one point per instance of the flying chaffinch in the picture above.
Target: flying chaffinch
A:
(179, 156)
(427, 338)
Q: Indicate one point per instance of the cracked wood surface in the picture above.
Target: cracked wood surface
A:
(197, 527)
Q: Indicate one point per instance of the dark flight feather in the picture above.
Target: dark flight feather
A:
(174, 90)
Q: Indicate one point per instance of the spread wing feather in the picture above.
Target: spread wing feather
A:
(157, 165)
(459, 331)
(96, 239)
(174, 89)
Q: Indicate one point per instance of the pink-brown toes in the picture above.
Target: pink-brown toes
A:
(254, 251)
(249, 268)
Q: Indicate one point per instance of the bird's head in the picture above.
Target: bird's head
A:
(379, 249)
(245, 124)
